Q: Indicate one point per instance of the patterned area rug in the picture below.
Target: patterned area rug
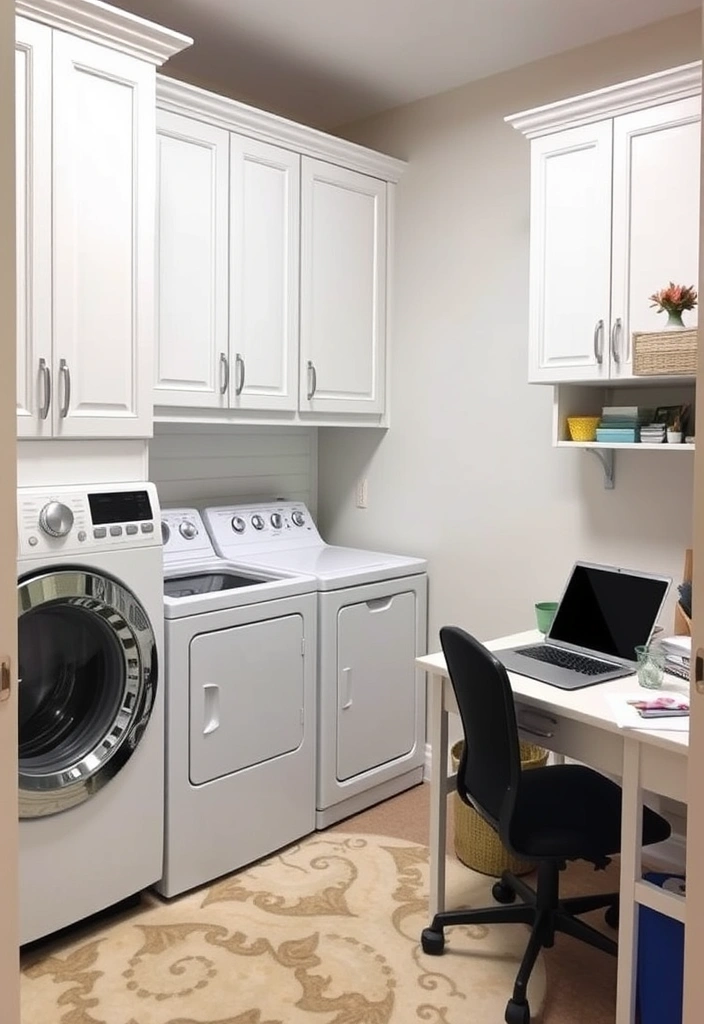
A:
(324, 933)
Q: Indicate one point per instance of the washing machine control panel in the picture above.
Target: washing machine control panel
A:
(72, 520)
(250, 528)
(183, 533)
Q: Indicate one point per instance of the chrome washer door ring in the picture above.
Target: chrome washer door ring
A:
(88, 678)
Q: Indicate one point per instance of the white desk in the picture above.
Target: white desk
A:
(579, 724)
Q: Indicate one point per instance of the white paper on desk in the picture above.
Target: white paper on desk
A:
(627, 717)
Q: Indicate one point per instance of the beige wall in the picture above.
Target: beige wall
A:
(466, 475)
(9, 974)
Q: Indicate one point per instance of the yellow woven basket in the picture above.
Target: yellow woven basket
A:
(477, 845)
(583, 428)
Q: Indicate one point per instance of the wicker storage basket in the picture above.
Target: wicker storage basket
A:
(664, 352)
(477, 844)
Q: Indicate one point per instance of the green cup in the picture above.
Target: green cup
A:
(544, 614)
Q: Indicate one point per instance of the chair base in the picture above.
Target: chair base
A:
(540, 908)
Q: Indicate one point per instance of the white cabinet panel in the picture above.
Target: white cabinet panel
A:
(33, 169)
(655, 216)
(570, 248)
(103, 240)
(343, 290)
(264, 275)
(246, 696)
(376, 686)
(192, 283)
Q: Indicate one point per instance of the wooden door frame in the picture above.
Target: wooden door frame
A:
(9, 932)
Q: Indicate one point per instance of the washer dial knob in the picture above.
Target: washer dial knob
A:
(165, 532)
(298, 518)
(258, 522)
(276, 520)
(188, 529)
(238, 524)
(56, 519)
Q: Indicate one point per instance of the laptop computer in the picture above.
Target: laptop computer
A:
(603, 615)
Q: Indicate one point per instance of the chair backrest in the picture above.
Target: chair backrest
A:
(490, 769)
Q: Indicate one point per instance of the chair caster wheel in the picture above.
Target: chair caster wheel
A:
(502, 893)
(517, 1013)
(433, 942)
(611, 916)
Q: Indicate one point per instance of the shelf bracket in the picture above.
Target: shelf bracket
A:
(606, 458)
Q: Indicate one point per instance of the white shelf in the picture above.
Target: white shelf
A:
(627, 445)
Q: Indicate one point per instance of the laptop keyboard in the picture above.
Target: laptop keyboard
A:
(568, 659)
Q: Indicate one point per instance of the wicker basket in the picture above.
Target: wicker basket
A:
(660, 353)
(477, 844)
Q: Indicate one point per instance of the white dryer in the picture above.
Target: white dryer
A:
(240, 708)
(91, 750)
(372, 624)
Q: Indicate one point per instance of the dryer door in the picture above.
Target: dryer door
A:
(88, 676)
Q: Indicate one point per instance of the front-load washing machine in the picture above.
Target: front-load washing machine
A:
(91, 748)
(240, 708)
(371, 627)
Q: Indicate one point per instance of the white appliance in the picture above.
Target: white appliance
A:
(240, 708)
(91, 731)
(372, 613)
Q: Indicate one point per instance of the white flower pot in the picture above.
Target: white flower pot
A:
(674, 437)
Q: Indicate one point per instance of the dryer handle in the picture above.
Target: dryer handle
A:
(347, 689)
(211, 708)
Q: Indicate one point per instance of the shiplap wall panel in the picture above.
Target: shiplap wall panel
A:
(198, 464)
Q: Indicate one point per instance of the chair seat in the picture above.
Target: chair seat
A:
(571, 812)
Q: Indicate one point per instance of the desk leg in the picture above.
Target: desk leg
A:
(631, 869)
(438, 795)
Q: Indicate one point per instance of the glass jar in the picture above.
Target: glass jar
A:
(651, 666)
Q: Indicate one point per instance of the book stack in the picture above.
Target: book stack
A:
(678, 650)
(621, 424)
(653, 433)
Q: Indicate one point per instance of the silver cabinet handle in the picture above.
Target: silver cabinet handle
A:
(224, 373)
(599, 341)
(615, 339)
(312, 380)
(239, 374)
(66, 376)
(45, 374)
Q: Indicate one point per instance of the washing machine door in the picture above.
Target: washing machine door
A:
(88, 677)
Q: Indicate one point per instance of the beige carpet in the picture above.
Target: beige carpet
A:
(325, 932)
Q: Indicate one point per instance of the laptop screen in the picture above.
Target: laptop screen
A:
(608, 610)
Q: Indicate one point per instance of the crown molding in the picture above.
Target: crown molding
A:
(222, 112)
(673, 84)
(101, 23)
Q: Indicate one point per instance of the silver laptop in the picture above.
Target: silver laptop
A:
(603, 615)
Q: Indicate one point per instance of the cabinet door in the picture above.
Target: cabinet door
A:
(33, 169)
(264, 275)
(570, 264)
(376, 683)
(655, 217)
(104, 173)
(191, 291)
(343, 290)
(246, 696)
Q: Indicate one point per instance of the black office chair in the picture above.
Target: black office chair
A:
(549, 815)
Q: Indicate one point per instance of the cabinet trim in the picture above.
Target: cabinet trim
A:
(190, 101)
(119, 30)
(624, 98)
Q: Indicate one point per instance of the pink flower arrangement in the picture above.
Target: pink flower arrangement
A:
(674, 299)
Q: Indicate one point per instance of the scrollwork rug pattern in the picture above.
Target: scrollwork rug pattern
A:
(325, 932)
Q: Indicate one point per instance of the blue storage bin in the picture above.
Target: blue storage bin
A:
(660, 959)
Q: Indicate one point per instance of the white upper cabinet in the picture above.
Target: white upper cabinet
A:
(272, 285)
(264, 274)
(103, 240)
(85, 78)
(33, 178)
(192, 355)
(343, 290)
(614, 218)
(655, 217)
(570, 266)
